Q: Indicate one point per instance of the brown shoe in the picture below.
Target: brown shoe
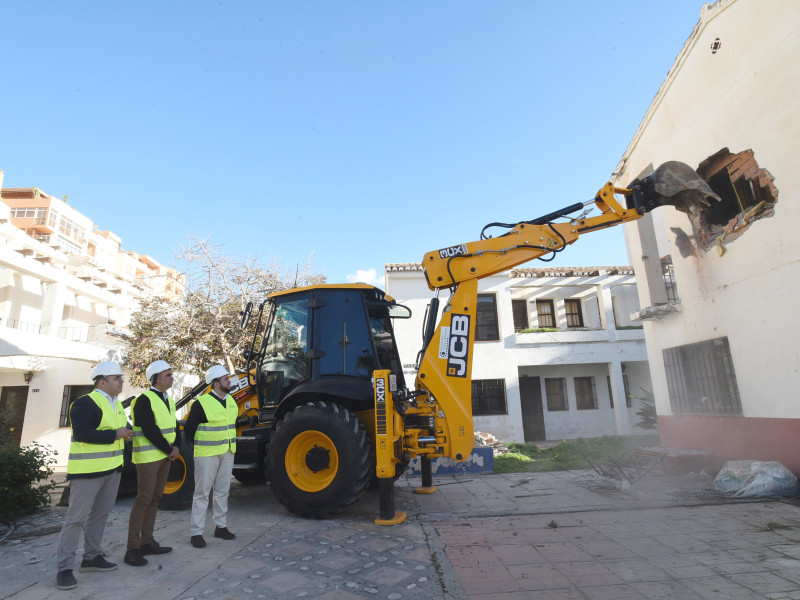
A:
(198, 542)
(222, 532)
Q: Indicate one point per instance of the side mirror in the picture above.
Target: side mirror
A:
(246, 314)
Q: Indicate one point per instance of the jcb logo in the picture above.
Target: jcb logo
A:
(458, 351)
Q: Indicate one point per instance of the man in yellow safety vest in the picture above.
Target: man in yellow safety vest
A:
(155, 446)
(99, 430)
(211, 426)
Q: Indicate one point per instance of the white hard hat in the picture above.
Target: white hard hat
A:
(105, 369)
(215, 372)
(156, 367)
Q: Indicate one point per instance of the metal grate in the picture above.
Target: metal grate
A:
(701, 378)
(489, 397)
(668, 271)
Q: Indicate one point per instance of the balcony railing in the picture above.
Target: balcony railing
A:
(22, 325)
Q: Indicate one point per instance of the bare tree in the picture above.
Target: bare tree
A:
(205, 327)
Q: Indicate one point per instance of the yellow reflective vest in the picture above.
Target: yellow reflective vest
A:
(143, 450)
(218, 434)
(97, 458)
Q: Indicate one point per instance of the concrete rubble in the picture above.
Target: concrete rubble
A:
(525, 535)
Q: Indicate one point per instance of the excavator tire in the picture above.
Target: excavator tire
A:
(321, 460)
(179, 489)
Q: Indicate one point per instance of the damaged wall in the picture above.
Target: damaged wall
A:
(729, 107)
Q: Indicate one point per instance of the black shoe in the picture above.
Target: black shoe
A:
(65, 580)
(134, 558)
(222, 532)
(154, 548)
(198, 541)
(98, 563)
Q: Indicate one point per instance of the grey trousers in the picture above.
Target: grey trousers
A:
(90, 501)
(211, 473)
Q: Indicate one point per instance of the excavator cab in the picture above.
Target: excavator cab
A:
(325, 340)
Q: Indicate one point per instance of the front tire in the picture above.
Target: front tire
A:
(321, 460)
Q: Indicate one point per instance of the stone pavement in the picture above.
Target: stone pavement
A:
(568, 535)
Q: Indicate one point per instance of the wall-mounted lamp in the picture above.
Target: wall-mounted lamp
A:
(28, 376)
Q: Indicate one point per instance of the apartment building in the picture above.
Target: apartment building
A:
(722, 346)
(67, 291)
(557, 355)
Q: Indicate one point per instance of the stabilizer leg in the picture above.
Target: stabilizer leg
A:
(389, 516)
(427, 486)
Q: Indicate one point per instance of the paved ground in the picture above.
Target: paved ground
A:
(547, 536)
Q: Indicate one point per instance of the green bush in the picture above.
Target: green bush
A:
(567, 455)
(21, 472)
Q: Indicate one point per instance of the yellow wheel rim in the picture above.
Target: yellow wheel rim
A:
(176, 477)
(312, 461)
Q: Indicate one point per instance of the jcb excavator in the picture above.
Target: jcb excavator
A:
(323, 404)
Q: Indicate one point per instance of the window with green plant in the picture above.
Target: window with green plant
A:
(574, 313)
(546, 313)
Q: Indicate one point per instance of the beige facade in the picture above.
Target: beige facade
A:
(67, 291)
(722, 349)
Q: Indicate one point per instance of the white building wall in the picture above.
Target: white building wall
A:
(60, 315)
(735, 84)
(590, 351)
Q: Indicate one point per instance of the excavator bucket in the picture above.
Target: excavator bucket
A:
(672, 184)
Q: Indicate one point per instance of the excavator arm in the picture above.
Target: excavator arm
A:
(435, 420)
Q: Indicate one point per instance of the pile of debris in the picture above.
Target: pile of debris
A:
(488, 440)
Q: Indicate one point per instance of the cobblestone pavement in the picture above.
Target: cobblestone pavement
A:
(548, 536)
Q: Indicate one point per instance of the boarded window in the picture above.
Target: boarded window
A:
(520, 310)
(546, 313)
(71, 393)
(701, 379)
(487, 329)
(585, 394)
(489, 397)
(556, 391)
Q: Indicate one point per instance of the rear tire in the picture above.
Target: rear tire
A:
(321, 460)
(179, 489)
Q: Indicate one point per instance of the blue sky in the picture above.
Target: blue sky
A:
(361, 133)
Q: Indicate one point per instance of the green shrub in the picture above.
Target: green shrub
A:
(568, 454)
(529, 450)
(21, 472)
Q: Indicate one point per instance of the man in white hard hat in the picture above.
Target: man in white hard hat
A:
(99, 430)
(155, 446)
(211, 426)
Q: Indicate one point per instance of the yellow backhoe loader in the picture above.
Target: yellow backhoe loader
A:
(324, 410)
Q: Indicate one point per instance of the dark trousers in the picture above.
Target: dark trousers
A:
(152, 478)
